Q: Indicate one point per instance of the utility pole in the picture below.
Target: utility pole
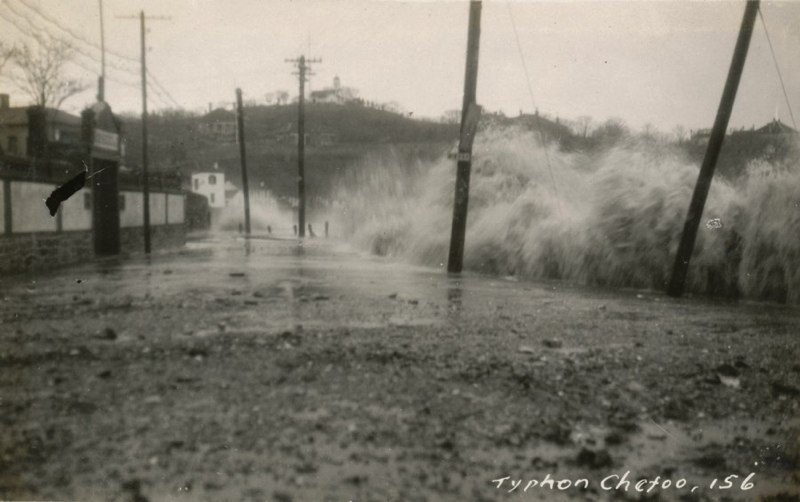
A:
(303, 70)
(243, 157)
(145, 175)
(697, 204)
(101, 87)
(470, 113)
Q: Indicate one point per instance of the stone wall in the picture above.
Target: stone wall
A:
(33, 252)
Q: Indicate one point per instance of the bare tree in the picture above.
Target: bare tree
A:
(680, 133)
(610, 132)
(5, 54)
(584, 122)
(281, 97)
(39, 71)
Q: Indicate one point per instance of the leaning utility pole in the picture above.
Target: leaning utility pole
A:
(696, 206)
(145, 176)
(243, 157)
(470, 113)
(302, 71)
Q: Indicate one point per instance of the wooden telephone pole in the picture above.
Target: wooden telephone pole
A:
(696, 206)
(303, 71)
(145, 175)
(101, 84)
(469, 122)
(243, 157)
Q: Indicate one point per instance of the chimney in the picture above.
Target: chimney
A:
(4, 102)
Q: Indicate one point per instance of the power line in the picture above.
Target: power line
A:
(161, 93)
(160, 88)
(73, 34)
(36, 30)
(163, 89)
(533, 103)
(777, 68)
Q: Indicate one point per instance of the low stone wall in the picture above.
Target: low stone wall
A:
(34, 252)
(31, 252)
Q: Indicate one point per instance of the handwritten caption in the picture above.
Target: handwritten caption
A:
(624, 482)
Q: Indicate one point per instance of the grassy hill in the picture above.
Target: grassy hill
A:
(182, 142)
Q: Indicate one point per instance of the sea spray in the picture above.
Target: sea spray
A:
(610, 218)
(265, 213)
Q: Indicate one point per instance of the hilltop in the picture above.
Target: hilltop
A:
(341, 136)
(337, 136)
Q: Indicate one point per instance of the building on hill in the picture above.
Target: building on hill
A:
(219, 125)
(775, 127)
(337, 94)
(317, 136)
(30, 131)
(771, 142)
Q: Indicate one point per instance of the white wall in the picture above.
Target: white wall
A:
(158, 209)
(132, 215)
(73, 214)
(29, 214)
(175, 210)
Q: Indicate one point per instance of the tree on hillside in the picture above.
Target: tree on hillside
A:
(610, 132)
(680, 133)
(584, 122)
(281, 97)
(38, 70)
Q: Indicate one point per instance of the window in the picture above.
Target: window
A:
(121, 202)
(87, 201)
(196, 183)
(12, 145)
(212, 180)
(211, 197)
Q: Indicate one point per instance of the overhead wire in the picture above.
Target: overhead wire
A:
(158, 87)
(777, 66)
(533, 104)
(159, 91)
(73, 34)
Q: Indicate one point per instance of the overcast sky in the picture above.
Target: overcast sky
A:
(646, 62)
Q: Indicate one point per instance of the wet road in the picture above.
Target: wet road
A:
(268, 371)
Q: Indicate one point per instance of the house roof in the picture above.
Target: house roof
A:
(323, 92)
(776, 127)
(18, 115)
(14, 116)
(218, 115)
